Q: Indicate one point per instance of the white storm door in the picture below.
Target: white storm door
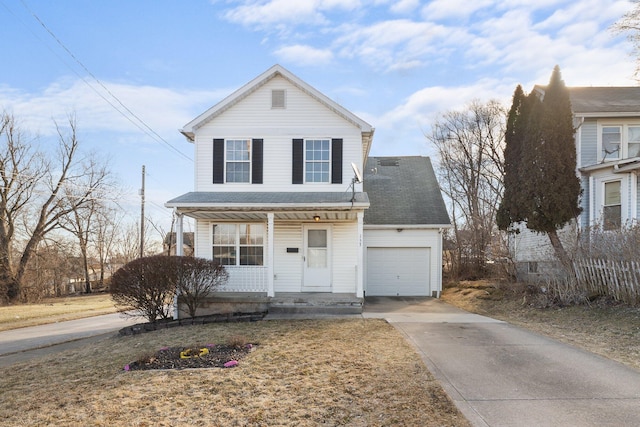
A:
(317, 259)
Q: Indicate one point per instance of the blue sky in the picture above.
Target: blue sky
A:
(395, 63)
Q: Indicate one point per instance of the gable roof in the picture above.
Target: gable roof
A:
(278, 71)
(403, 191)
(603, 101)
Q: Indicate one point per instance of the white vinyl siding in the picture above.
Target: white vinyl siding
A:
(303, 117)
(287, 268)
(588, 143)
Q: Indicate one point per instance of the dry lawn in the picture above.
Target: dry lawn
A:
(606, 329)
(55, 310)
(302, 373)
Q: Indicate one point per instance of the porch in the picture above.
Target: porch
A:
(283, 304)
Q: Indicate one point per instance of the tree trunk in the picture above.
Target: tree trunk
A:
(561, 253)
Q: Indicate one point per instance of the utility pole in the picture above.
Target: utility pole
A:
(142, 216)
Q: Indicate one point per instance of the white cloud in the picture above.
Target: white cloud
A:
(161, 109)
(393, 44)
(277, 12)
(304, 55)
(442, 9)
(404, 6)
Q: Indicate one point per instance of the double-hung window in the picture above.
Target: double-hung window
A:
(238, 160)
(612, 207)
(619, 141)
(611, 142)
(633, 141)
(317, 160)
(238, 244)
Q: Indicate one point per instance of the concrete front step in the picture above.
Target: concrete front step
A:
(315, 309)
(315, 303)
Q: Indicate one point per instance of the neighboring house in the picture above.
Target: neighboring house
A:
(279, 197)
(169, 245)
(607, 121)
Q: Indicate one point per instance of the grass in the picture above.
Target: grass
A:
(607, 329)
(355, 372)
(55, 310)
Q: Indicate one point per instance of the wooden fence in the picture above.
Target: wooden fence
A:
(618, 279)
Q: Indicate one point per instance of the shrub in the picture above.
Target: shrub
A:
(198, 277)
(147, 285)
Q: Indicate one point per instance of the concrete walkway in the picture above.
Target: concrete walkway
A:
(501, 375)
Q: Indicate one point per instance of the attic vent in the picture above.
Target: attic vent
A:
(390, 161)
(277, 98)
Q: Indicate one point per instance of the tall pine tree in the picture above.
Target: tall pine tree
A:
(543, 189)
(510, 209)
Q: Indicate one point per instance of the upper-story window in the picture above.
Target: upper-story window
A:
(619, 141)
(317, 160)
(238, 160)
(612, 207)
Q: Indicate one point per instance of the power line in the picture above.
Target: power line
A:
(140, 124)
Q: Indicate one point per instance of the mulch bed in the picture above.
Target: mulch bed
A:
(142, 328)
(207, 356)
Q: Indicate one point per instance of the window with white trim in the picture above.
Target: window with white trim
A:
(619, 141)
(238, 160)
(317, 160)
(238, 244)
(612, 206)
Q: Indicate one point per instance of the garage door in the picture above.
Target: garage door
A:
(398, 271)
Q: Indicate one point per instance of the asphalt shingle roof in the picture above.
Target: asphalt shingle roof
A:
(605, 99)
(266, 198)
(403, 190)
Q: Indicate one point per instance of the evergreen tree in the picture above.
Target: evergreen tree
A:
(510, 210)
(543, 189)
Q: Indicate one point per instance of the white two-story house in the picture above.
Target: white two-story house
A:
(278, 197)
(607, 122)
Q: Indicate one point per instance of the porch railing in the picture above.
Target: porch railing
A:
(247, 278)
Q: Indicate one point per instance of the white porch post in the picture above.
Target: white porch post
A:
(360, 256)
(179, 245)
(270, 253)
(179, 235)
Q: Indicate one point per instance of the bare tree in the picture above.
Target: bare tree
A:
(469, 147)
(32, 196)
(103, 239)
(630, 25)
(82, 220)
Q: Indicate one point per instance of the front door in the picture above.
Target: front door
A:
(317, 258)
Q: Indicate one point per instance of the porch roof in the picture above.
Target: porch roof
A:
(202, 204)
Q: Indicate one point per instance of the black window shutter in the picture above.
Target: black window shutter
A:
(256, 161)
(218, 161)
(297, 174)
(336, 161)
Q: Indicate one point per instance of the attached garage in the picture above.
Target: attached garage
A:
(398, 271)
(403, 228)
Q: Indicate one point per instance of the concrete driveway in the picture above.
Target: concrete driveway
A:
(501, 375)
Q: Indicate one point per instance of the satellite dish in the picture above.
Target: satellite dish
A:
(358, 177)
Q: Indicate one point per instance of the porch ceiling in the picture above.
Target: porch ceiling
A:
(301, 206)
(262, 216)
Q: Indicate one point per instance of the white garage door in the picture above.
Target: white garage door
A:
(398, 271)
